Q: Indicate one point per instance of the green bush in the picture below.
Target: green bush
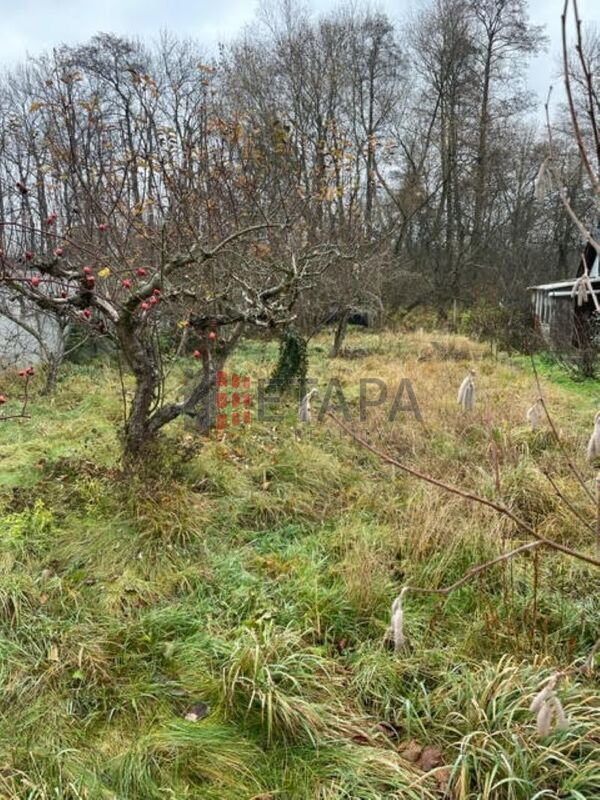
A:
(507, 327)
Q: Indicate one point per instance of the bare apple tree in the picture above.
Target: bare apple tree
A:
(140, 201)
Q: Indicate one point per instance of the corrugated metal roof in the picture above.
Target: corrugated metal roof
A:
(565, 285)
(547, 287)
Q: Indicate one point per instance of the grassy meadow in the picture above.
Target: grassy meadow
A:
(250, 575)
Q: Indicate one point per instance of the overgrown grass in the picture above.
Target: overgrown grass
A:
(254, 571)
(551, 369)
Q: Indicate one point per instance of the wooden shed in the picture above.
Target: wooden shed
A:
(561, 321)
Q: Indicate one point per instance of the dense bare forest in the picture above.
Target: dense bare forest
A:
(413, 150)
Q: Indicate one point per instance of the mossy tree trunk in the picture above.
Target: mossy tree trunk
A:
(340, 333)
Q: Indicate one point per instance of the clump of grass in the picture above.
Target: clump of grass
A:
(210, 757)
(270, 673)
(529, 493)
(167, 512)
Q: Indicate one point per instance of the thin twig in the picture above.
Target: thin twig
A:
(567, 502)
(588, 666)
(592, 99)
(571, 103)
(471, 573)
(21, 414)
(572, 466)
(447, 487)
(583, 230)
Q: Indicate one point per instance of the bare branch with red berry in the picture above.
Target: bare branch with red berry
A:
(25, 375)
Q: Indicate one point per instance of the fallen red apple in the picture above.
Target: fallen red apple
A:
(3, 399)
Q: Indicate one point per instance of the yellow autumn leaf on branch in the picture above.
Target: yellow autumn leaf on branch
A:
(104, 272)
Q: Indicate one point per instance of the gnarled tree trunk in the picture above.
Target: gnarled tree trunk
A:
(340, 333)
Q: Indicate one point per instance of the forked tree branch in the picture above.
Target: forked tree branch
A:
(592, 98)
(570, 101)
(475, 498)
(474, 571)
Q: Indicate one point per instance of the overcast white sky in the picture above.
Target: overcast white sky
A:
(32, 26)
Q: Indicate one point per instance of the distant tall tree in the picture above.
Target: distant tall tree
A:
(503, 37)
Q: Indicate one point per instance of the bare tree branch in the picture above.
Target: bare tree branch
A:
(498, 507)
